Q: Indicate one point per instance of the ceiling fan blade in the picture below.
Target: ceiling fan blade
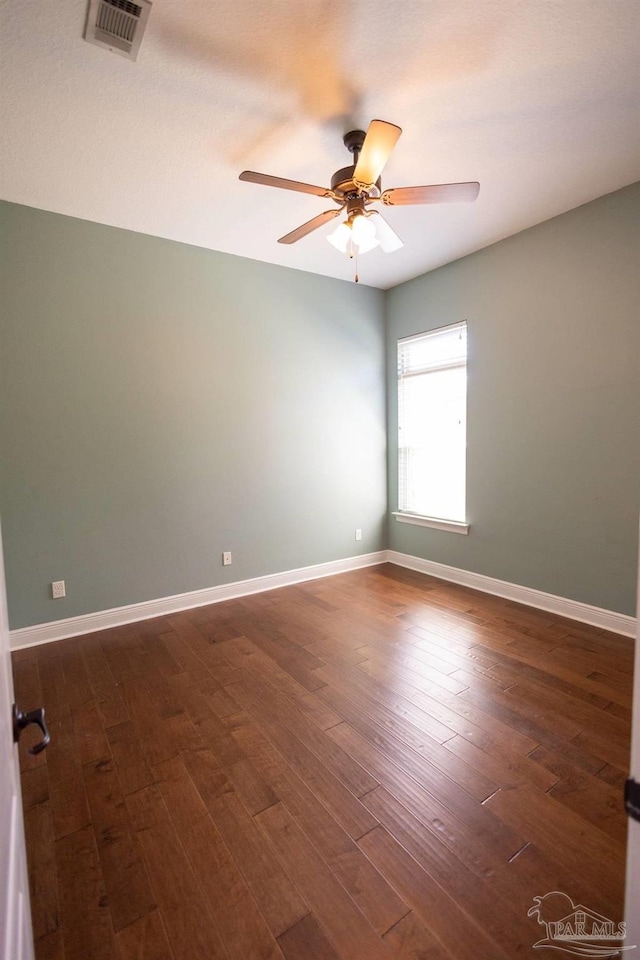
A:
(389, 239)
(380, 140)
(296, 185)
(310, 226)
(436, 193)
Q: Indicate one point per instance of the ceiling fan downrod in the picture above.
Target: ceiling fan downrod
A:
(353, 142)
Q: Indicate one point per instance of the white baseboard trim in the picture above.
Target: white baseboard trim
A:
(573, 609)
(120, 616)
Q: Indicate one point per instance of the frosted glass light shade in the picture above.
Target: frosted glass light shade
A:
(360, 232)
(366, 244)
(387, 237)
(340, 237)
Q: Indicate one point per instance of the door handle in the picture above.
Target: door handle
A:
(22, 720)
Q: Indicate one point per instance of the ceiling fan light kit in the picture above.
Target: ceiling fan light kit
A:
(356, 187)
(355, 235)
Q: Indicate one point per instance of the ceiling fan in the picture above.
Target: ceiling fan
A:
(357, 187)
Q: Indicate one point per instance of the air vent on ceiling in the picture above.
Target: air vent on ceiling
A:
(117, 25)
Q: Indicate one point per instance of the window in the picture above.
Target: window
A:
(432, 429)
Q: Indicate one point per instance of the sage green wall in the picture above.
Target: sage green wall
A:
(553, 403)
(163, 403)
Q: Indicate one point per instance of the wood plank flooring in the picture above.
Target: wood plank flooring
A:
(370, 766)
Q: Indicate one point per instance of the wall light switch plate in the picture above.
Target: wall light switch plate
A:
(58, 589)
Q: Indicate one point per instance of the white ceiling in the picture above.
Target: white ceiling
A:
(539, 100)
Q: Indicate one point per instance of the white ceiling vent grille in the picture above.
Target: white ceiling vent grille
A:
(117, 25)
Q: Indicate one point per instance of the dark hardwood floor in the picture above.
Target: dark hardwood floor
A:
(373, 765)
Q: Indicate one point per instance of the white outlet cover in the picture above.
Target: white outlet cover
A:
(58, 590)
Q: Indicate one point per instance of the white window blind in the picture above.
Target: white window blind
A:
(432, 423)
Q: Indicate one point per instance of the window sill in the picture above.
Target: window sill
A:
(451, 526)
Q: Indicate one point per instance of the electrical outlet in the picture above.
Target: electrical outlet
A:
(358, 534)
(226, 559)
(58, 589)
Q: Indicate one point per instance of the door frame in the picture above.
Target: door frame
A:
(16, 940)
(632, 904)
